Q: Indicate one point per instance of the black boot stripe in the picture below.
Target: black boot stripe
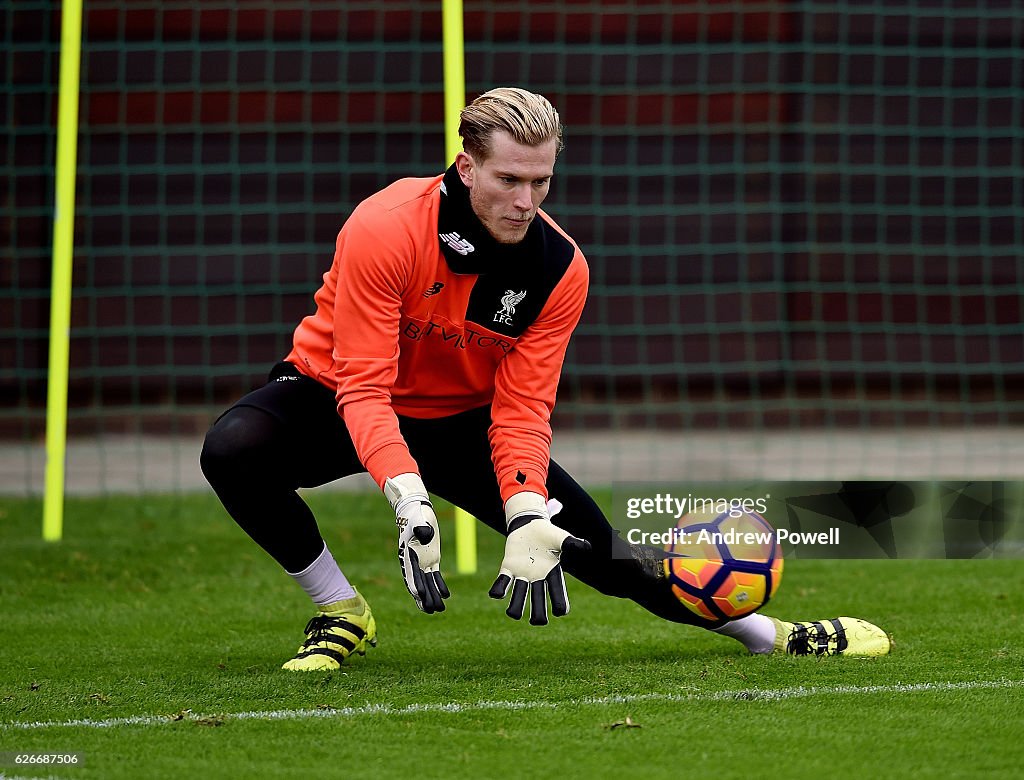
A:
(821, 637)
(339, 657)
(316, 636)
(841, 642)
(352, 628)
(342, 641)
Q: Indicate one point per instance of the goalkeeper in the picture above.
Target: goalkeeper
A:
(432, 362)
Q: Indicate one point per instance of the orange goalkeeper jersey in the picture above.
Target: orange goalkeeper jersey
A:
(424, 314)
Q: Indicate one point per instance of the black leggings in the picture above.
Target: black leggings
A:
(288, 435)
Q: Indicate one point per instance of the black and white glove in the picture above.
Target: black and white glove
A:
(532, 562)
(419, 541)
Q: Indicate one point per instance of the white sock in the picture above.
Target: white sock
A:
(756, 632)
(324, 581)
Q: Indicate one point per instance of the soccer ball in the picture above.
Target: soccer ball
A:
(724, 566)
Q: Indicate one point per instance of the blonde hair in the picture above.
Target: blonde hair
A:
(530, 119)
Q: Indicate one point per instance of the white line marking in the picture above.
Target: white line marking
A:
(746, 694)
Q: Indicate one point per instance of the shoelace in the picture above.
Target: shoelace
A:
(816, 640)
(319, 628)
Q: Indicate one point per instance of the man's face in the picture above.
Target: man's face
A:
(507, 188)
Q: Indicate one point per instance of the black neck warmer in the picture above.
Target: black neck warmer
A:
(467, 245)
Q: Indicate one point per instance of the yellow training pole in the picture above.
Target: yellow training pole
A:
(60, 285)
(454, 100)
(454, 76)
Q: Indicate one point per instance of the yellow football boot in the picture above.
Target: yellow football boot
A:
(833, 636)
(336, 631)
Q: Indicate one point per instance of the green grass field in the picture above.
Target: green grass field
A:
(150, 642)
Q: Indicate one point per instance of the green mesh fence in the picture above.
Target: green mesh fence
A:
(803, 219)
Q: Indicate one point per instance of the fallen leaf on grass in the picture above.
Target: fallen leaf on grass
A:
(625, 724)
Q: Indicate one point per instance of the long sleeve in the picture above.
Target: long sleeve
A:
(367, 311)
(526, 385)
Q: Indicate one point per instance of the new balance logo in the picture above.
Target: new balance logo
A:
(457, 242)
(509, 301)
(434, 289)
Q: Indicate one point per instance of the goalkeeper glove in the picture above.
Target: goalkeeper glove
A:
(419, 541)
(533, 552)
